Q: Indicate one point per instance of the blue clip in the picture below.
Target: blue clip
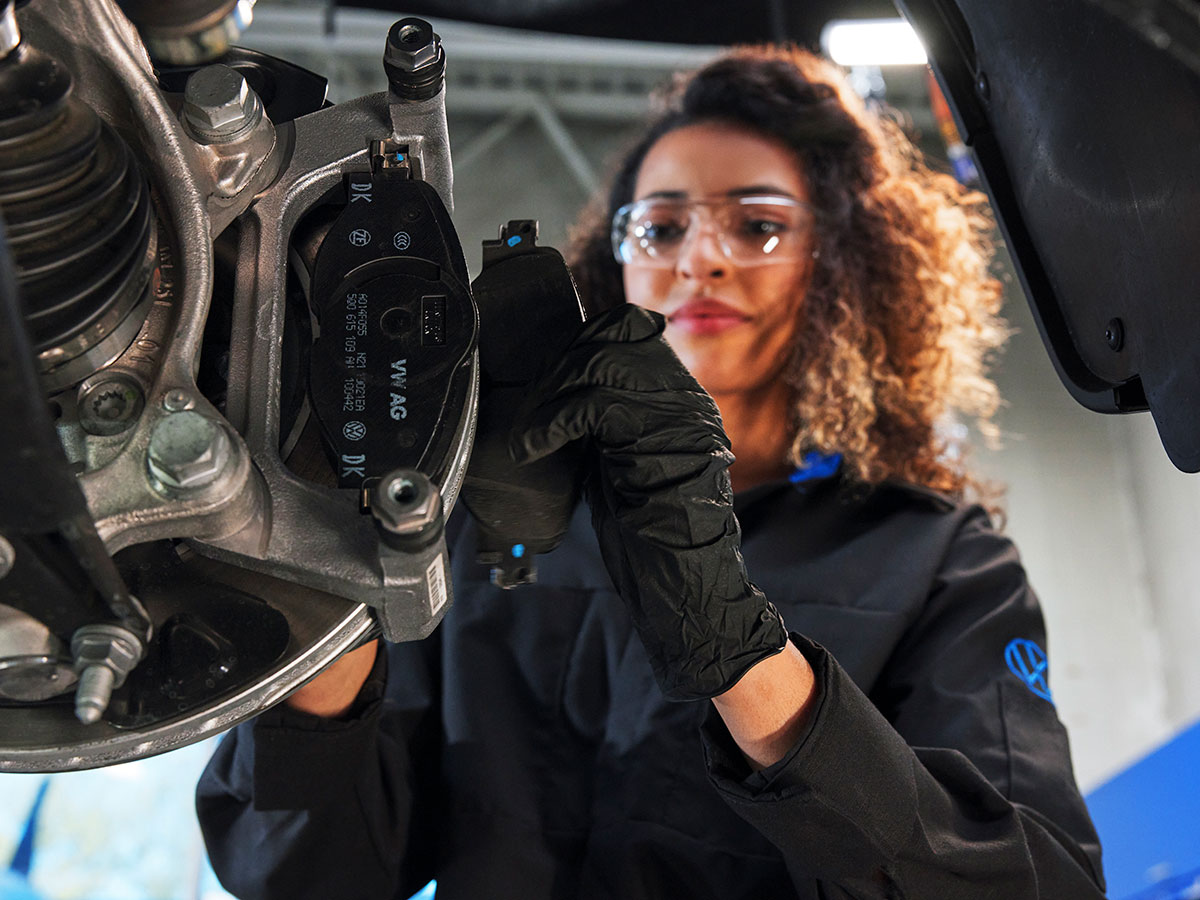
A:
(518, 550)
(816, 465)
(399, 157)
(514, 240)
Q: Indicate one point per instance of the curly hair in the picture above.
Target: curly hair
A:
(901, 314)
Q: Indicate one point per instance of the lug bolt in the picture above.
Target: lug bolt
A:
(104, 656)
(93, 693)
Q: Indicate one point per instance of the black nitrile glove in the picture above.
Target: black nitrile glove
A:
(661, 500)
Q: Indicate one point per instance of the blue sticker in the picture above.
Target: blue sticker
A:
(518, 551)
(1028, 662)
(514, 240)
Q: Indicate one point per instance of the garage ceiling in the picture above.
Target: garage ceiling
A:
(672, 21)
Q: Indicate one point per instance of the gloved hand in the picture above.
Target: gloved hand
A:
(661, 500)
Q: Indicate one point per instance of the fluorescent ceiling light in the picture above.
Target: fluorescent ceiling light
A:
(872, 42)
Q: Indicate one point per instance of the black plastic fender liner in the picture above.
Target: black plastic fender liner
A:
(1087, 136)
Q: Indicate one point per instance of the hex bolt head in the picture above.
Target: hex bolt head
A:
(414, 60)
(187, 450)
(219, 106)
(405, 502)
(104, 656)
(411, 45)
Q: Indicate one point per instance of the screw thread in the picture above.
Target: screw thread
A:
(93, 693)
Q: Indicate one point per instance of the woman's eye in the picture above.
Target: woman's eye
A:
(763, 226)
(662, 231)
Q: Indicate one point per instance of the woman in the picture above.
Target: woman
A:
(832, 297)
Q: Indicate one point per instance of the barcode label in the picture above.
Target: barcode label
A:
(435, 581)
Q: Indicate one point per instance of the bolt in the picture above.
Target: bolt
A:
(219, 106)
(177, 400)
(406, 502)
(411, 45)
(982, 87)
(1114, 334)
(414, 60)
(93, 693)
(110, 404)
(104, 656)
(8, 556)
(187, 450)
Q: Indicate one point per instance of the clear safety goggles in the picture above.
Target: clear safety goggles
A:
(750, 230)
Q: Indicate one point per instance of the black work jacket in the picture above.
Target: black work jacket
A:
(524, 751)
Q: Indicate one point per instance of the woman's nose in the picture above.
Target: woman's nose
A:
(701, 255)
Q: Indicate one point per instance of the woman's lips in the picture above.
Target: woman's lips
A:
(704, 315)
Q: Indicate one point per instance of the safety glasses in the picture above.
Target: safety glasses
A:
(749, 231)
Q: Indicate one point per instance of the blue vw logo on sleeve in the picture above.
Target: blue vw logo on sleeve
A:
(1028, 662)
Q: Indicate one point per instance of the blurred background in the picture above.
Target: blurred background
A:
(1105, 524)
